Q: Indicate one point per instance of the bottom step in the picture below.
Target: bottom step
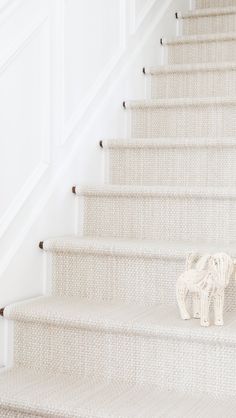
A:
(28, 394)
(119, 342)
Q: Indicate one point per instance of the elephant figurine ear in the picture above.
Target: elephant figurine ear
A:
(191, 260)
(204, 262)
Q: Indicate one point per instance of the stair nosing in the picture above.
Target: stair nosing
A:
(175, 102)
(188, 39)
(173, 143)
(182, 68)
(134, 191)
(133, 248)
(216, 11)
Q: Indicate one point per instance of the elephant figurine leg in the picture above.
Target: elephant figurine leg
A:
(181, 293)
(204, 315)
(219, 307)
(196, 306)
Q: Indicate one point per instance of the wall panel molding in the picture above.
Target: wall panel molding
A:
(82, 108)
(39, 27)
(58, 84)
(7, 7)
(137, 18)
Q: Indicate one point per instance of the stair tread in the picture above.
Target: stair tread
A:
(168, 142)
(137, 247)
(58, 395)
(174, 68)
(132, 191)
(212, 11)
(214, 37)
(117, 317)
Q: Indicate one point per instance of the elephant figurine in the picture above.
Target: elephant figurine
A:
(206, 277)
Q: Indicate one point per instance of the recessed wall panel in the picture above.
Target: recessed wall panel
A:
(21, 124)
(92, 38)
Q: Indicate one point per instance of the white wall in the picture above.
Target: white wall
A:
(65, 68)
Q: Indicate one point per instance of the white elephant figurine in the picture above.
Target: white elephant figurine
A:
(206, 277)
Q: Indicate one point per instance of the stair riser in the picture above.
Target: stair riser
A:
(193, 84)
(186, 166)
(184, 121)
(130, 279)
(202, 4)
(193, 53)
(167, 362)
(144, 280)
(160, 217)
(209, 24)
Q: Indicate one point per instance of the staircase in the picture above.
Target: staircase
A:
(107, 340)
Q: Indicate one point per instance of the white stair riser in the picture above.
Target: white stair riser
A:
(146, 280)
(193, 84)
(209, 24)
(184, 121)
(160, 217)
(193, 53)
(186, 166)
(202, 4)
(170, 363)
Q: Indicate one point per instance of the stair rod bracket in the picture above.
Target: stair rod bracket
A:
(41, 245)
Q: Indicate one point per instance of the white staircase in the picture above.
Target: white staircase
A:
(107, 340)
